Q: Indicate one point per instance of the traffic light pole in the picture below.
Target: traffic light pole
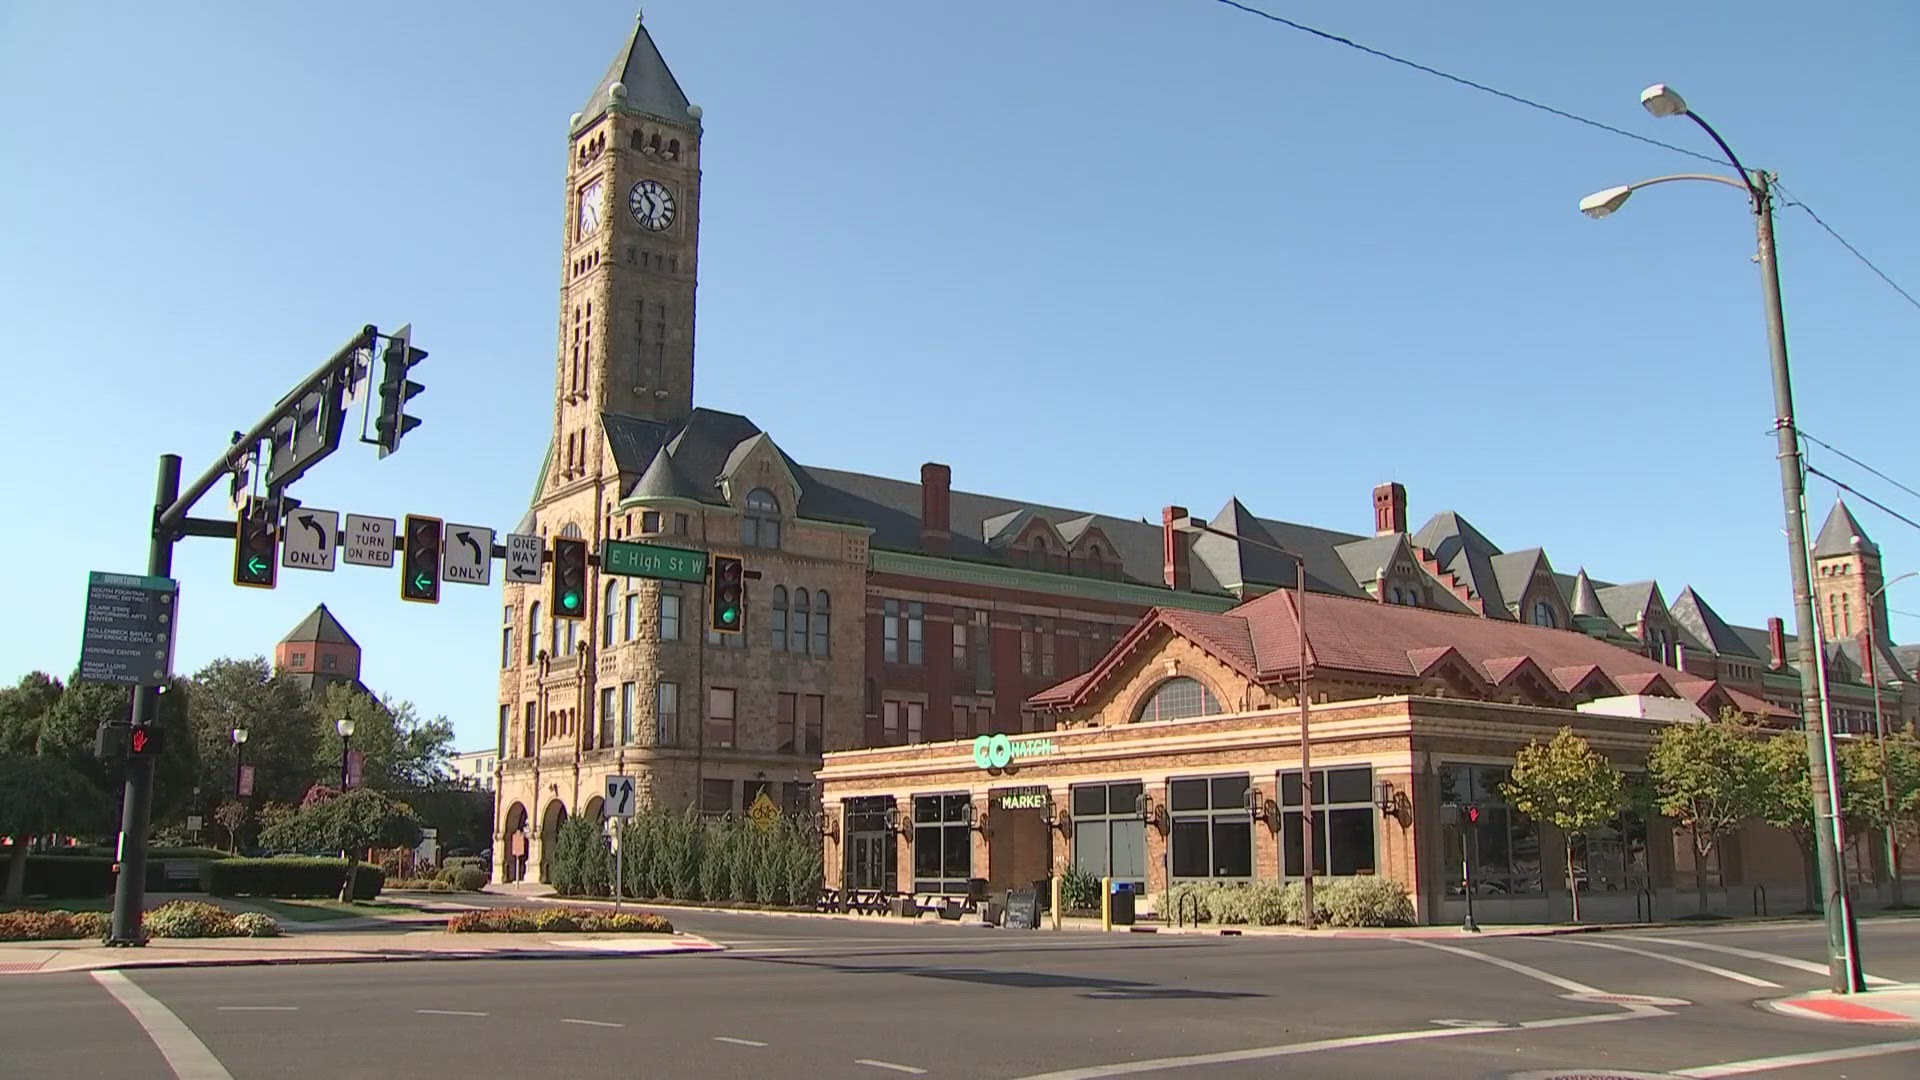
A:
(170, 522)
(130, 888)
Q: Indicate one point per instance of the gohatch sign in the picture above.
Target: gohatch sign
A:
(997, 751)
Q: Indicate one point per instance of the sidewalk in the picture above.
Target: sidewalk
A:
(1898, 1004)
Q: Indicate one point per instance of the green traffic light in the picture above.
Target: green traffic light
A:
(729, 615)
(256, 566)
(422, 582)
(570, 601)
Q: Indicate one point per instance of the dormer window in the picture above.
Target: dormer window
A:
(760, 524)
(1543, 614)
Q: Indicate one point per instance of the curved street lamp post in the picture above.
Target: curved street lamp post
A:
(1843, 953)
(1898, 898)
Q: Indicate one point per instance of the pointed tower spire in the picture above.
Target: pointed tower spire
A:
(639, 81)
(1838, 534)
(1585, 600)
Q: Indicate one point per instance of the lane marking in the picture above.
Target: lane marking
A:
(1788, 1061)
(590, 1023)
(258, 1008)
(736, 1042)
(450, 1012)
(887, 1065)
(1725, 973)
(1499, 961)
(1793, 962)
(186, 1055)
(1123, 1068)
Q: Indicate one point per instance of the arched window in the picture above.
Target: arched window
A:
(760, 525)
(653, 143)
(1177, 699)
(797, 632)
(1395, 594)
(1846, 615)
(533, 632)
(820, 616)
(673, 149)
(609, 608)
(778, 623)
(1543, 614)
(1413, 597)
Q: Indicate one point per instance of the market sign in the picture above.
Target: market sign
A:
(997, 751)
(1024, 798)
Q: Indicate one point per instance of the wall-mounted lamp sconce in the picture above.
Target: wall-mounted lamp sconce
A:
(1383, 795)
(825, 824)
(1150, 812)
(891, 819)
(1061, 822)
(977, 820)
(1256, 808)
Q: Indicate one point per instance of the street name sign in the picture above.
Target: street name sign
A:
(524, 552)
(369, 541)
(467, 555)
(129, 629)
(308, 537)
(619, 797)
(652, 561)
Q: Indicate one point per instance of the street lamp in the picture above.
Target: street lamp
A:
(1880, 738)
(1843, 953)
(1195, 525)
(344, 726)
(239, 757)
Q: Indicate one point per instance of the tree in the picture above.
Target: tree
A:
(397, 748)
(41, 797)
(22, 707)
(71, 723)
(1786, 799)
(1708, 777)
(1863, 799)
(231, 814)
(349, 823)
(278, 714)
(1565, 782)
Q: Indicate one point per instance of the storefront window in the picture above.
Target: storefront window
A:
(871, 858)
(1506, 852)
(1212, 834)
(942, 844)
(1109, 839)
(1611, 858)
(1343, 817)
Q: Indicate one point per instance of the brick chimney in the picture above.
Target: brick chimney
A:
(936, 517)
(1389, 509)
(1777, 643)
(1177, 573)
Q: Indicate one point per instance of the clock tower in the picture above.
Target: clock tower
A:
(630, 259)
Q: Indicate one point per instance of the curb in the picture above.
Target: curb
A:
(563, 953)
(1838, 1010)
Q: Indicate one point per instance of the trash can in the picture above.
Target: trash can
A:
(1122, 900)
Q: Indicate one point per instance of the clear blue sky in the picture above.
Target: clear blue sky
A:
(1106, 255)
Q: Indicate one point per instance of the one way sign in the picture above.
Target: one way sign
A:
(619, 797)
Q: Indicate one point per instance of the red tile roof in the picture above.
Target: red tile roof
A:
(1364, 637)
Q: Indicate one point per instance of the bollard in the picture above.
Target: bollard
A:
(1106, 903)
(1057, 881)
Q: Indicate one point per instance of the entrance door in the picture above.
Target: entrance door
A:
(871, 859)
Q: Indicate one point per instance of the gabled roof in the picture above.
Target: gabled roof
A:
(1513, 572)
(1003, 529)
(650, 87)
(1707, 629)
(1366, 558)
(320, 626)
(1464, 551)
(1071, 531)
(1628, 604)
(1836, 536)
(1248, 560)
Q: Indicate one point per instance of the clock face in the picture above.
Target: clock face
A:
(590, 200)
(651, 205)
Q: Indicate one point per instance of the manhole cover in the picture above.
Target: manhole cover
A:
(1589, 1074)
(1625, 999)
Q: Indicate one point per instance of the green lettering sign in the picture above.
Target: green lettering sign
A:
(652, 561)
(997, 751)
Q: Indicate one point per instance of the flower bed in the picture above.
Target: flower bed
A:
(177, 919)
(555, 920)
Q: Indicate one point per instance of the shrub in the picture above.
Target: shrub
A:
(189, 919)
(68, 875)
(288, 877)
(51, 925)
(1227, 905)
(1184, 901)
(256, 924)
(1266, 904)
(553, 920)
(1365, 901)
(464, 878)
(648, 924)
(462, 861)
(424, 884)
(1079, 890)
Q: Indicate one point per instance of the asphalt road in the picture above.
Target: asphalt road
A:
(829, 998)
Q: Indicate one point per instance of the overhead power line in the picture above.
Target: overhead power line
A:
(1862, 464)
(1862, 496)
(1563, 114)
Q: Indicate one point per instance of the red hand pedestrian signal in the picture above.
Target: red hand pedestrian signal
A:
(1473, 814)
(145, 742)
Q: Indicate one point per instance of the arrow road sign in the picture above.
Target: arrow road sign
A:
(369, 541)
(524, 552)
(619, 797)
(307, 539)
(468, 555)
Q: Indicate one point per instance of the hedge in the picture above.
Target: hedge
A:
(555, 920)
(288, 877)
(679, 855)
(69, 876)
(1337, 901)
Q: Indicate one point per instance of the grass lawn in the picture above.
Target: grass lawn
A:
(324, 910)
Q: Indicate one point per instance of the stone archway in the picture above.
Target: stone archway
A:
(551, 819)
(595, 809)
(513, 844)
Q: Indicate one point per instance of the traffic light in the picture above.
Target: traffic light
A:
(395, 390)
(420, 562)
(146, 741)
(569, 578)
(256, 556)
(729, 595)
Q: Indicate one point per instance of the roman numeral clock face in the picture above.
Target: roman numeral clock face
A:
(651, 205)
